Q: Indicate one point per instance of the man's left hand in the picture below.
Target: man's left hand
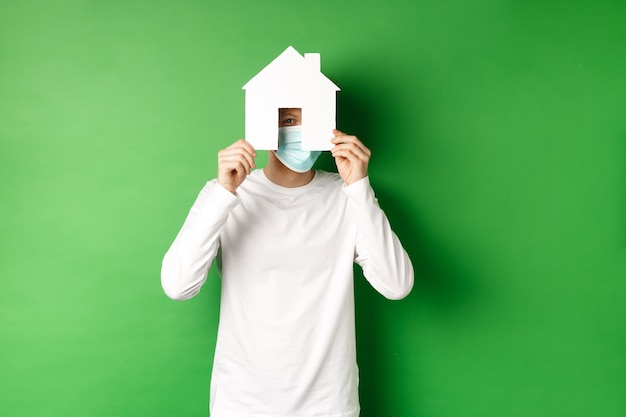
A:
(351, 157)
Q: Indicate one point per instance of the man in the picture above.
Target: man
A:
(286, 238)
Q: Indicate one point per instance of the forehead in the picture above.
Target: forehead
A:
(290, 111)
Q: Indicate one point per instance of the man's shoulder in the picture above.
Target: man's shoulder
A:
(328, 177)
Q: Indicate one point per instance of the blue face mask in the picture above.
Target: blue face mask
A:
(290, 151)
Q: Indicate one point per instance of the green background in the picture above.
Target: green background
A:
(498, 132)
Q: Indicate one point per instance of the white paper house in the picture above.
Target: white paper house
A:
(291, 80)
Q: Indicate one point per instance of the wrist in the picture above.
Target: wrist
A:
(228, 187)
(356, 185)
(350, 181)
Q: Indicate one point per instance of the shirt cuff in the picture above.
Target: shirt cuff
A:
(357, 186)
(223, 197)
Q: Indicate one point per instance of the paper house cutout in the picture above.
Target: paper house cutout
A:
(291, 80)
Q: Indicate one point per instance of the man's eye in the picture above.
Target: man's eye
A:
(289, 121)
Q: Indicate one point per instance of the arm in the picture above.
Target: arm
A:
(186, 264)
(385, 263)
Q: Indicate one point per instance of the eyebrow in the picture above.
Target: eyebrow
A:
(288, 113)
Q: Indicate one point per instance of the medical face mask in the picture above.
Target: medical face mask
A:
(290, 151)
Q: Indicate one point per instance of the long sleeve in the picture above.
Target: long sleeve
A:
(385, 263)
(187, 262)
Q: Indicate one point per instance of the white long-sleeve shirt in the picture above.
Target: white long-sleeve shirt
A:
(286, 336)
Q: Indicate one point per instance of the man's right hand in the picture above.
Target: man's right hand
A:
(234, 164)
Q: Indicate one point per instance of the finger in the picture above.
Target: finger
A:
(235, 153)
(357, 147)
(350, 160)
(339, 136)
(241, 144)
(230, 162)
(349, 139)
(339, 159)
(234, 169)
(346, 149)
